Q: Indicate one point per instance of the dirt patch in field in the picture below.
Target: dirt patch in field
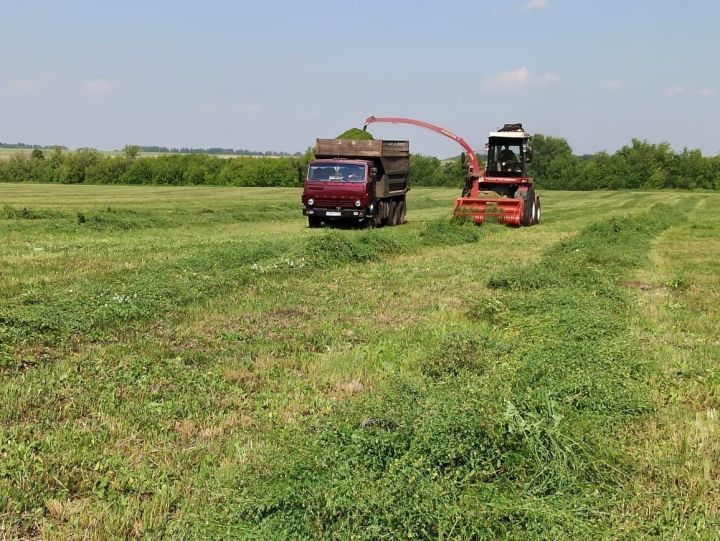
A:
(292, 413)
(242, 375)
(285, 318)
(62, 510)
(348, 388)
(232, 422)
(643, 286)
(188, 429)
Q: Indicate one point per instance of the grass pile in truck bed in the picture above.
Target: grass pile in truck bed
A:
(355, 133)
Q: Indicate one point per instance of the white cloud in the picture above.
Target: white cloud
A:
(677, 90)
(26, 86)
(615, 86)
(534, 5)
(509, 79)
(520, 77)
(98, 87)
(684, 90)
(547, 79)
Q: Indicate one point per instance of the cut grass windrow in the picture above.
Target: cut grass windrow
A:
(89, 306)
(509, 428)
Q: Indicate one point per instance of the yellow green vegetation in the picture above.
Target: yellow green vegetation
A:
(195, 363)
(355, 133)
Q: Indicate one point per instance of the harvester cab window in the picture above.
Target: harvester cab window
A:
(337, 172)
(506, 157)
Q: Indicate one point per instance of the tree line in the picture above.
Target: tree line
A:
(640, 165)
(23, 146)
(214, 150)
(170, 150)
(87, 166)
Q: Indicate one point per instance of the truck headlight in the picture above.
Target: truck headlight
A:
(357, 203)
(311, 202)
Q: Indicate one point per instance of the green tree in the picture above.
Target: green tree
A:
(546, 150)
(131, 152)
(426, 170)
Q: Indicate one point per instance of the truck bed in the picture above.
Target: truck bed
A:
(360, 148)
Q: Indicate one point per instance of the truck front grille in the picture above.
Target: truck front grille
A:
(344, 202)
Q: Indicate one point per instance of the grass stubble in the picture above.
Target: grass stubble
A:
(194, 366)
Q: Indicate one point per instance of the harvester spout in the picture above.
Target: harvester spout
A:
(474, 165)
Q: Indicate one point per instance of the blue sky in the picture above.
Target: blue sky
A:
(277, 74)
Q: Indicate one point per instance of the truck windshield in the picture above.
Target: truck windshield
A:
(337, 172)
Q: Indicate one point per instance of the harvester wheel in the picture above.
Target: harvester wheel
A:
(528, 209)
(314, 222)
(393, 214)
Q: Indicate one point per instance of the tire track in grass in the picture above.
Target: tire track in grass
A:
(507, 430)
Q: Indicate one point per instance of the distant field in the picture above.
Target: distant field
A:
(6, 153)
(194, 363)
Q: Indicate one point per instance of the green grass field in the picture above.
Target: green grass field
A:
(194, 363)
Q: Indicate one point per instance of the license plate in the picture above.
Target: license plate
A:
(332, 213)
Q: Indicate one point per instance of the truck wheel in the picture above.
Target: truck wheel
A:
(403, 211)
(377, 216)
(393, 214)
(380, 218)
(314, 222)
(398, 217)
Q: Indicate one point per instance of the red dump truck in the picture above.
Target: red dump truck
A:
(354, 180)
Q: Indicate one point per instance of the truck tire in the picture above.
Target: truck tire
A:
(403, 211)
(381, 213)
(397, 215)
(377, 215)
(392, 215)
(314, 222)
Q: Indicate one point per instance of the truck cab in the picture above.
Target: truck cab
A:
(337, 189)
(360, 181)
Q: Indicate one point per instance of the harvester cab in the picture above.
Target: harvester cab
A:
(508, 152)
